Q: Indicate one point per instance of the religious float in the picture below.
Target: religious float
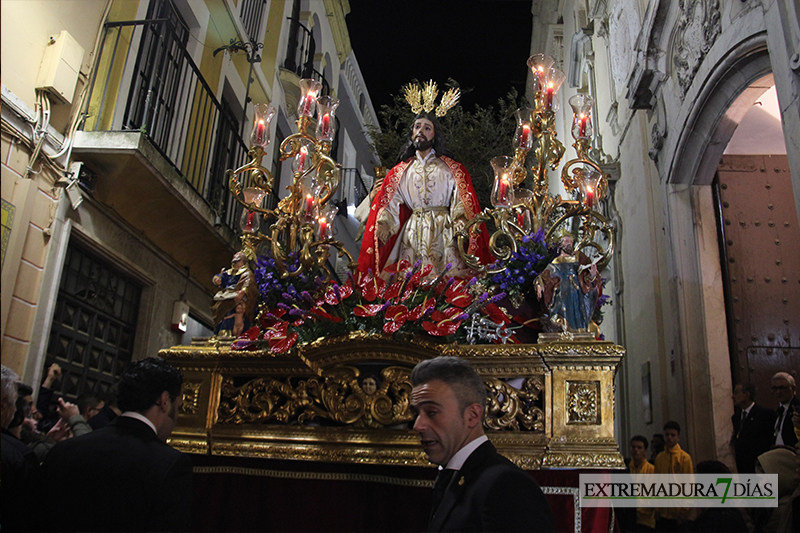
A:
(314, 387)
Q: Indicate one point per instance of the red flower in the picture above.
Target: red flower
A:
(458, 294)
(444, 322)
(441, 329)
(279, 338)
(421, 309)
(324, 314)
(421, 273)
(393, 290)
(398, 267)
(282, 344)
(396, 316)
(371, 287)
(495, 314)
(367, 310)
(276, 330)
(251, 334)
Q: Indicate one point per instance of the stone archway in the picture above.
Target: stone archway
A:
(725, 94)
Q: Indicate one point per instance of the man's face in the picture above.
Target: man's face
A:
(422, 134)
(93, 411)
(442, 427)
(740, 398)
(238, 260)
(671, 438)
(657, 443)
(638, 451)
(782, 390)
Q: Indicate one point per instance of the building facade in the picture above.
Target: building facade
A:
(120, 119)
(704, 284)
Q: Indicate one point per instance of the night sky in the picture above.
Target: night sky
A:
(482, 44)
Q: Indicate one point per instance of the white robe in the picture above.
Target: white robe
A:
(429, 190)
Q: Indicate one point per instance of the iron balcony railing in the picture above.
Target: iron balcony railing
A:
(352, 189)
(145, 80)
(252, 14)
(300, 55)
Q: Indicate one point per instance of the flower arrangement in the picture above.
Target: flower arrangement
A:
(521, 269)
(303, 309)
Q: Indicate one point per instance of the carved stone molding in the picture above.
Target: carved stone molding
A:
(697, 30)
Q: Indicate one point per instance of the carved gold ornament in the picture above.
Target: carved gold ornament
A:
(424, 98)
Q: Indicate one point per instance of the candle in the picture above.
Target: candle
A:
(260, 132)
(548, 101)
(309, 205)
(301, 159)
(503, 191)
(523, 137)
(323, 228)
(589, 196)
(582, 129)
(307, 104)
(326, 126)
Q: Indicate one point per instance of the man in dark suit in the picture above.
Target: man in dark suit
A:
(477, 489)
(783, 388)
(124, 477)
(752, 428)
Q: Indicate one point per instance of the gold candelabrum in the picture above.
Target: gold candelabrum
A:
(302, 222)
(518, 211)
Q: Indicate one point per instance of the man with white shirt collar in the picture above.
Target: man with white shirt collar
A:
(477, 489)
(752, 428)
(783, 388)
(132, 479)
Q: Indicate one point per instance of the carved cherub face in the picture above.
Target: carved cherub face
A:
(369, 386)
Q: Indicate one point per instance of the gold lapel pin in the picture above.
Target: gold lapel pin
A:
(461, 481)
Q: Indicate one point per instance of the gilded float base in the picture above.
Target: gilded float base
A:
(550, 405)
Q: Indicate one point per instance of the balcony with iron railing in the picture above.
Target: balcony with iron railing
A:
(160, 142)
(299, 62)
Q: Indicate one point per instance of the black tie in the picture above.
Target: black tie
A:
(440, 486)
(778, 421)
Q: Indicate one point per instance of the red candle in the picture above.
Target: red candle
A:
(326, 126)
(548, 101)
(523, 137)
(503, 191)
(250, 218)
(323, 228)
(589, 196)
(307, 104)
(301, 159)
(309, 205)
(260, 132)
(582, 129)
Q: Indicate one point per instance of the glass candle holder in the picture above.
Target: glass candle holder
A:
(523, 138)
(325, 221)
(540, 65)
(581, 116)
(309, 90)
(325, 125)
(250, 220)
(589, 184)
(263, 114)
(547, 99)
(503, 188)
(303, 160)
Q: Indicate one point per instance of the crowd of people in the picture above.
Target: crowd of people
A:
(103, 464)
(763, 441)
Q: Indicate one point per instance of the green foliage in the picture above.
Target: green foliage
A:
(475, 137)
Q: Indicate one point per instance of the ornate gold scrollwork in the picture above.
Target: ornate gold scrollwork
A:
(191, 397)
(510, 408)
(336, 397)
(583, 402)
